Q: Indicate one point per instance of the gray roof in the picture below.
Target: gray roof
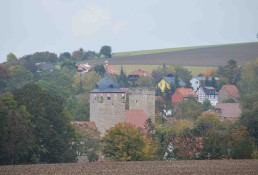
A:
(107, 84)
(172, 79)
(209, 90)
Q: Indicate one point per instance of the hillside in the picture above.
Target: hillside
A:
(206, 56)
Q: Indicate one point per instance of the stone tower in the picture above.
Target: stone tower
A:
(143, 99)
(107, 104)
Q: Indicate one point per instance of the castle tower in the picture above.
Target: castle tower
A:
(107, 104)
(143, 99)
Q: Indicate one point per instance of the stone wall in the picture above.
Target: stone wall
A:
(143, 99)
(107, 109)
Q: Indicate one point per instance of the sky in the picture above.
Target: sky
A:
(29, 26)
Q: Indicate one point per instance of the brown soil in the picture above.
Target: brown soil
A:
(199, 167)
(207, 57)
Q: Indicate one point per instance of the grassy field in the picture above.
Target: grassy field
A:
(143, 52)
(149, 68)
(200, 167)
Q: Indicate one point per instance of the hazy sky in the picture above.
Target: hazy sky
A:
(28, 26)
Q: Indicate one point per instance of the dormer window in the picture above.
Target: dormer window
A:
(111, 86)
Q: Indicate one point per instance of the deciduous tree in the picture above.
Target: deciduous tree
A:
(106, 51)
(124, 142)
(52, 129)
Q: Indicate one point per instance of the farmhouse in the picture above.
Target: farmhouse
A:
(228, 111)
(207, 93)
(228, 92)
(169, 80)
(107, 105)
(183, 94)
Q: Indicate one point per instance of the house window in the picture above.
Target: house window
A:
(108, 98)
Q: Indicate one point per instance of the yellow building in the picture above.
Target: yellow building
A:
(168, 81)
(162, 84)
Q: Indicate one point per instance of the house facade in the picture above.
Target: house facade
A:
(183, 94)
(169, 80)
(207, 93)
(199, 81)
(228, 111)
(228, 92)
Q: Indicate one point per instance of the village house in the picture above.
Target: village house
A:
(84, 68)
(135, 75)
(199, 81)
(228, 111)
(169, 80)
(207, 93)
(183, 94)
(228, 92)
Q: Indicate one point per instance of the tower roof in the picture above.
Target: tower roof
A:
(107, 84)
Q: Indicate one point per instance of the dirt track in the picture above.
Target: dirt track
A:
(210, 57)
(199, 167)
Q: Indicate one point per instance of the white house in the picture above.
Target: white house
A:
(207, 92)
(197, 82)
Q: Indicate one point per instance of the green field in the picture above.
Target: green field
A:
(149, 68)
(143, 52)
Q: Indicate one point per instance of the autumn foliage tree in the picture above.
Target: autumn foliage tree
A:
(125, 142)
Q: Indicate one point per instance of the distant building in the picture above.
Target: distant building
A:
(228, 92)
(183, 94)
(207, 93)
(169, 80)
(228, 111)
(199, 81)
(135, 75)
(109, 69)
(84, 68)
(143, 99)
(107, 105)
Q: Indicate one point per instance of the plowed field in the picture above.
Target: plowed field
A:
(200, 167)
(206, 57)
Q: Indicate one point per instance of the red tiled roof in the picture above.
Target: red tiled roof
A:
(182, 93)
(85, 125)
(140, 73)
(230, 111)
(136, 118)
(111, 70)
(232, 90)
(186, 92)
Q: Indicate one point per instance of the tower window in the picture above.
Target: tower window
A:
(123, 99)
(100, 99)
(136, 101)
